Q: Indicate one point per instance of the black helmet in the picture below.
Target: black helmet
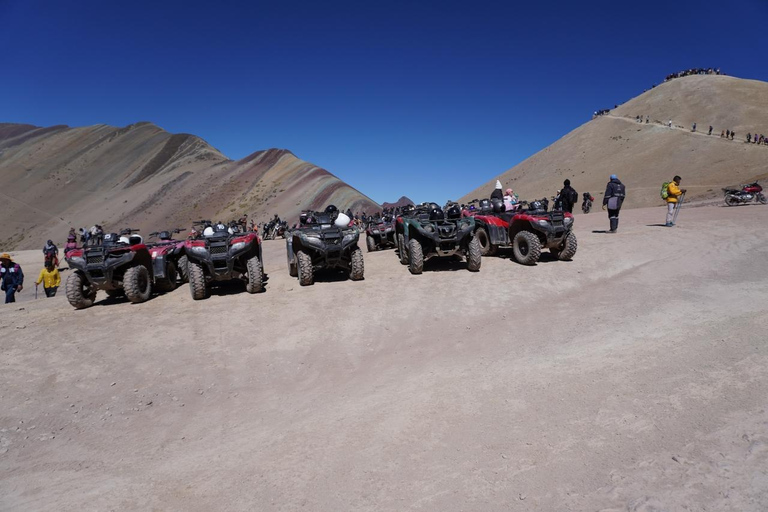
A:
(436, 214)
(331, 209)
(164, 235)
(485, 206)
(535, 205)
(498, 206)
(454, 212)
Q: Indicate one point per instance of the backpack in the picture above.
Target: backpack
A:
(573, 196)
(665, 190)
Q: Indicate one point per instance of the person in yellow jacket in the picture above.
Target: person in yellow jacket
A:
(50, 278)
(673, 196)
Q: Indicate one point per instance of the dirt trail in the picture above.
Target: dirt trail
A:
(633, 378)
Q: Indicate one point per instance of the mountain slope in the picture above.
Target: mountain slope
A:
(144, 177)
(645, 155)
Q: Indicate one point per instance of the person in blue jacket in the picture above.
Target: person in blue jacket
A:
(11, 277)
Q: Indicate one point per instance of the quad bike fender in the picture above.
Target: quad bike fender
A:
(158, 266)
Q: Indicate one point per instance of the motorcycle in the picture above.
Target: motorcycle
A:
(747, 194)
(586, 206)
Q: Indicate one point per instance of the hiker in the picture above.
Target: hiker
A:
(733, 134)
(749, 137)
(694, 127)
(727, 134)
(710, 130)
(50, 278)
(615, 193)
(568, 196)
(51, 253)
(497, 193)
(673, 196)
(722, 134)
(11, 277)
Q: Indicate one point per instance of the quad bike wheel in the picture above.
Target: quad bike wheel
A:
(358, 266)
(415, 257)
(568, 250)
(197, 284)
(137, 284)
(80, 294)
(371, 243)
(474, 255)
(168, 283)
(401, 249)
(487, 248)
(306, 271)
(182, 268)
(255, 276)
(526, 248)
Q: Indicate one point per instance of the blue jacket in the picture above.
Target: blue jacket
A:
(11, 277)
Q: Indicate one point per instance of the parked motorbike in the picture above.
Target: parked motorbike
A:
(747, 194)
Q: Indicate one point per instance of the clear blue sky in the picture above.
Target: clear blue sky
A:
(426, 99)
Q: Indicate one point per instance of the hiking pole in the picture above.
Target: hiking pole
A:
(35, 291)
(677, 209)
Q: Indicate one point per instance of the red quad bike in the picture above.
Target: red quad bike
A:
(525, 230)
(380, 233)
(169, 260)
(120, 265)
(223, 253)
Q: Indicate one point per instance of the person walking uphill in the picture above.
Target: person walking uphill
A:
(50, 278)
(612, 200)
(11, 277)
(673, 198)
(568, 196)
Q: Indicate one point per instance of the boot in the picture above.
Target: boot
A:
(614, 224)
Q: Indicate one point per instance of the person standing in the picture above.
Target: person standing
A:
(497, 193)
(11, 277)
(568, 196)
(615, 193)
(673, 197)
(50, 278)
(51, 253)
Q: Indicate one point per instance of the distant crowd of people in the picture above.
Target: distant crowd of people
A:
(757, 139)
(693, 71)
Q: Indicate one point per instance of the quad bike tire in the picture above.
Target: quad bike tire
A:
(474, 255)
(306, 270)
(116, 294)
(415, 257)
(371, 243)
(401, 249)
(568, 251)
(79, 294)
(137, 284)
(198, 287)
(526, 248)
(182, 268)
(487, 248)
(168, 283)
(357, 269)
(255, 276)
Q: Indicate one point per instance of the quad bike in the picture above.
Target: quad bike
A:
(526, 231)
(119, 265)
(380, 234)
(324, 240)
(427, 232)
(586, 205)
(746, 194)
(169, 260)
(221, 253)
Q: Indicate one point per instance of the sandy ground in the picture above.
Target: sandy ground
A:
(633, 378)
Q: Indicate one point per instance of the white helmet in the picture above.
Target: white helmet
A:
(342, 220)
(208, 231)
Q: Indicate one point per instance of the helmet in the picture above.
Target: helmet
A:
(535, 205)
(164, 235)
(454, 212)
(342, 220)
(498, 206)
(485, 206)
(331, 209)
(436, 214)
(614, 177)
(208, 231)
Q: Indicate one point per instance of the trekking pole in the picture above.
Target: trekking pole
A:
(677, 209)
(35, 291)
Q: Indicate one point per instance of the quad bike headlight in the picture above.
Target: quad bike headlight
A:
(348, 238)
(568, 220)
(543, 222)
(77, 259)
(198, 249)
(239, 246)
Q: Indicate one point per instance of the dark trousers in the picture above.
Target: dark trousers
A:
(613, 218)
(51, 292)
(10, 294)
